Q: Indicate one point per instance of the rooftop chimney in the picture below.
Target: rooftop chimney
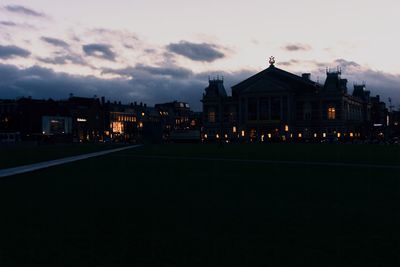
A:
(306, 76)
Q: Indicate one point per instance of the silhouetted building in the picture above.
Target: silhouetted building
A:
(180, 123)
(277, 105)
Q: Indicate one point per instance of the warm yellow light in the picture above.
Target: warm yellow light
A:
(140, 124)
(339, 135)
(226, 136)
(217, 136)
(117, 127)
(262, 138)
(291, 135)
(234, 130)
(351, 135)
(269, 136)
(243, 133)
(143, 114)
(283, 138)
(205, 136)
(300, 135)
(324, 135)
(286, 128)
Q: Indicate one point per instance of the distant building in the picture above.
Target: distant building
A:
(277, 105)
(180, 123)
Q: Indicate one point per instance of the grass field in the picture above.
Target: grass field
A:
(12, 156)
(197, 205)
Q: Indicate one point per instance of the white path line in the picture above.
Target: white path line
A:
(47, 164)
(283, 162)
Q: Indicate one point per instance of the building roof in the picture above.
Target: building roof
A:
(274, 78)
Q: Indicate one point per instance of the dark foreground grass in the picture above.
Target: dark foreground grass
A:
(12, 156)
(125, 210)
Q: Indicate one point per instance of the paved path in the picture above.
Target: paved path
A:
(47, 164)
(261, 161)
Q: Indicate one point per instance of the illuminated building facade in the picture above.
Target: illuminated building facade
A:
(279, 106)
(179, 121)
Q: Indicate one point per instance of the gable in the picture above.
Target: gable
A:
(273, 79)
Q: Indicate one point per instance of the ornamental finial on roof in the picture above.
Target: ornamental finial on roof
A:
(272, 61)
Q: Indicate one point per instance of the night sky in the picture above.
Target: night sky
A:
(156, 51)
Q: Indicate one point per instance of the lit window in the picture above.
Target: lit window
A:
(315, 135)
(226, 136)
(217, 136)
(339, 135)
(262, 138)
(211, 116)
(331, 113)
(243, 133)
(286, 128)
(140, 124)
(300, 135)
(117, 127)
(234, 130)
(143, 114)
(324, 135)
(205, 136)
(269, 136)
(351, 135)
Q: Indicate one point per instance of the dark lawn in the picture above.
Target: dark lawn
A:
(125, 210)
(11, 156)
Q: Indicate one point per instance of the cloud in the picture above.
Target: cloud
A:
(8, 23)
(140, 70)
(147, 84)
(24, 11)
(11, 51)
(378, 82)
(289, 63)
(11, 24)
(100, 51)
(198, 52)
(55, 41)
(64, 59)
(297, 47)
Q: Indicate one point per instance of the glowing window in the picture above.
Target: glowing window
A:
(117, 127)
(331, 113)
(211, 116)
(243, 133)
(286, 128)
(234, 130)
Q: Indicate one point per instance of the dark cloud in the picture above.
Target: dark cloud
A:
(99, 50)
(10, 51)
(345, 64)
(64, 59)
(378, 82)
(140, 70)
(24, 11)
(8, 23)
(289, 63)
(55, 42)
(12, 24)
(297, 47)
(153, 85)
(197, 52)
